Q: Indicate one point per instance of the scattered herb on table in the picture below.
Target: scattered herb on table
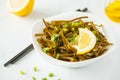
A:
(22, 72)
(44, 78)
(51, 75)
(33, 78)
(35, 69)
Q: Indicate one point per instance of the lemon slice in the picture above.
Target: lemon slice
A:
(20, 7)
(86, 41)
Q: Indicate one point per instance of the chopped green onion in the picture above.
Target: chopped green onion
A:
(54, 46)
(56, 28)
(94, 32)
(81, 22)
(44, 78)
(59, 79)
(33, 78)
(45, 49)
(97, 39)
(72, 29)
(75, 35)
(75, 23)
(35, 69)
(57, 56)
(66, 25)
(22, 72)
(54, 37)
(50, 74)
(70, 39)
(65, 29)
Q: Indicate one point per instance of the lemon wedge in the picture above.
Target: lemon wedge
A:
(20, 7)
(84, 42)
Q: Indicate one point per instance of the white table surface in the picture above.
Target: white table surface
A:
(15, 33)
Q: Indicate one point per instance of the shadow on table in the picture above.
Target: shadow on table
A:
(38, 14)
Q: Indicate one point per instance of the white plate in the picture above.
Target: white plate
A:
(38, 27)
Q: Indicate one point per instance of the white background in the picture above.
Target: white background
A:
(15, 35)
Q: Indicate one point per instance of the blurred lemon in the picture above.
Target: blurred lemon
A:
(84, 42)
(20, 7)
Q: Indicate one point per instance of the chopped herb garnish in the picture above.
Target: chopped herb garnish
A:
(75, 23)
(57, 56)
(22, 72)
(35, 68)
(54, 37)
(81, 22)
(54, 46)
(45, 49)
(66, 25)
(59, 79)
(94, 32)
(97, 39)
(65, 29)
(50, 74)
(56, 28)
(72, 29)
(33, 78)
(75, 35)
(44, 78)
(72, 38)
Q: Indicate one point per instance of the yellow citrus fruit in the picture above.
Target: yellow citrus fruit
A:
(20, 7)
(84, 42)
